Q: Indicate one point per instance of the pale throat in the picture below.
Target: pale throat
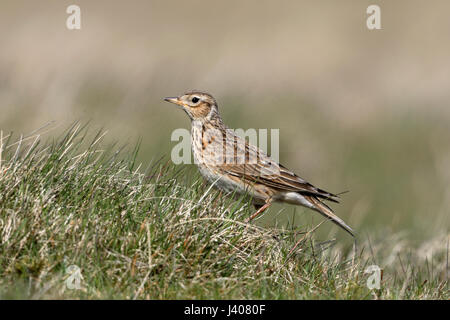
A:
(211, 112)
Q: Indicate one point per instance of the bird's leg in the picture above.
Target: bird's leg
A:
(260, 210)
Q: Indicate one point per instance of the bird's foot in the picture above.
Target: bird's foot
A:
(258, 212)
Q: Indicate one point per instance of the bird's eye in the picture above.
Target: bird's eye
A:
(195, 99)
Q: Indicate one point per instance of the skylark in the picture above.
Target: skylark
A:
(235, 166)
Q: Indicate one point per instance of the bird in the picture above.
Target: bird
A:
(237, 167)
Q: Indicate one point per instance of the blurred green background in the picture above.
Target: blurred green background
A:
(359, 110)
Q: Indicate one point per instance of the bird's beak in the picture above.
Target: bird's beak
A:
(174, 100)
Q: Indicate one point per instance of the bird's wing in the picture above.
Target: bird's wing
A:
(253, 165)
(283, 179)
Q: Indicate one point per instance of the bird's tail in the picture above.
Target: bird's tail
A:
(327, 212)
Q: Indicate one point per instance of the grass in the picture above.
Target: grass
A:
(158, 233)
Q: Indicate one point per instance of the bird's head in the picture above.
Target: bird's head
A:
(198, 105)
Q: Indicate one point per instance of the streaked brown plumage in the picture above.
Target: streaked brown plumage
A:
(234, 165)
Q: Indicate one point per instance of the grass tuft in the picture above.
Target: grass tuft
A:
(156, 233)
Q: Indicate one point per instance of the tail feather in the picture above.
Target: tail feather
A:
(327, 212)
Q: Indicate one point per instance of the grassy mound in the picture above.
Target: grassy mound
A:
(157, 234)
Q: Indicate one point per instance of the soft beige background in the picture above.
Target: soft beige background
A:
(361, 110)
